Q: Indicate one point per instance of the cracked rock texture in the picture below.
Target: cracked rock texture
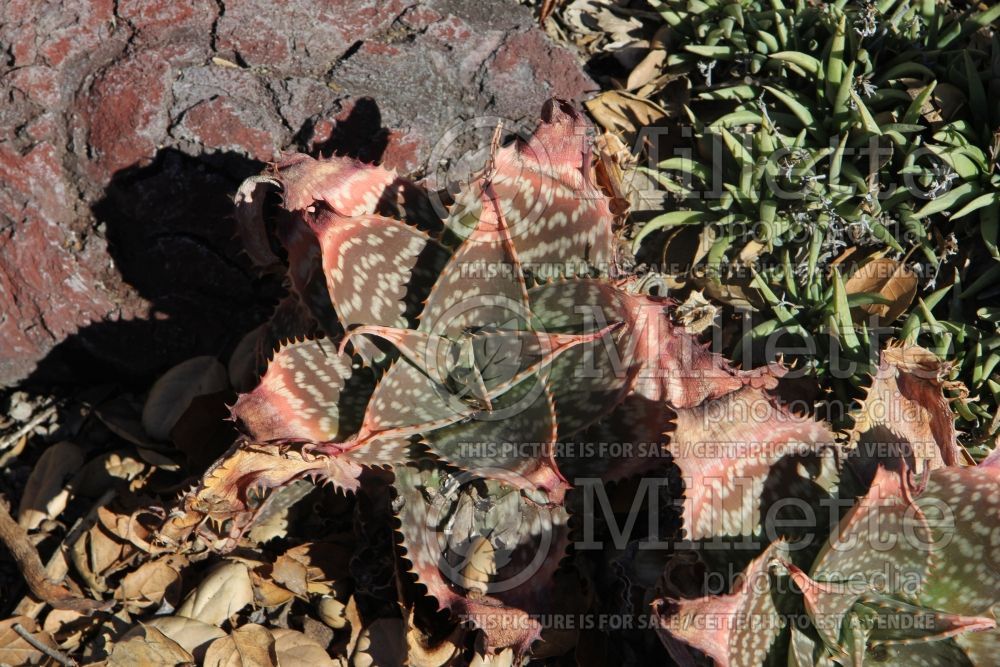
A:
(125, 127)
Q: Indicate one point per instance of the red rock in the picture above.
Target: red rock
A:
(217, 124)
(124, 113)
(162, 17)
(57, 32)
(300, 37)
(119, 125)
(47, 287)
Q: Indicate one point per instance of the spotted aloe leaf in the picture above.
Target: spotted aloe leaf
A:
(742, 452)
(738, 629)
(309, 392)
(560, 221)
(910, 577)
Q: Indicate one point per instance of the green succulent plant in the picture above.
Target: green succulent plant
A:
(820, 128)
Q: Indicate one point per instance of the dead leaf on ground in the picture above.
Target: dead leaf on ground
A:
(291, 574)
(378, 643)
(45, 495)
(192, 635)
(332, 611)
(223, 592)
(294, 648)
(886, 278)
(153, 581)
(14, 650)
(145, 645)
(250, 645)
(421, 652)
(96, 555)
(624, 113)
(101, 473)
(647, 69)
(67, 626)
(173, 392)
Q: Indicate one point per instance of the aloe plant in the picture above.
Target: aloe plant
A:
(908, 575)
(531, 335)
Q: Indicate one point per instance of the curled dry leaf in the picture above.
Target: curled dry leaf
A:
(422, 652)
(146, 645)
(295, 648)
(153, 581)
(45, 494)
(172, 393)
(249, 645)
(377, 642)
(332, 611)
(96, 554)
(886, 278)
(193, 636)
(224, 591)
(905, 414)
(624, 113)
(647, 69)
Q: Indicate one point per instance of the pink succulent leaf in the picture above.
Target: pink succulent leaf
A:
(407, 402)
(740, 453)
(853, 619)
(345, 186)
(934, 551)
(869, 544)
(481, 365)
(370, 264)
(589, 381)
(735, 630)
(305, 272)
(906, 414)
(309, 392)
(560, 221)
(445, 520)
(481, 285)
(514, 437)
(289, 322)
(515, 440)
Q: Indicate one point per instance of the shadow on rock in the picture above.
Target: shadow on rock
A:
(171, 236)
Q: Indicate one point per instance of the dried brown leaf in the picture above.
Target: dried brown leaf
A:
(624, 113)
(45, 494)
(103, 472)
(250, 645)
(647, 69)
(14, 650)
(152, 581)
(223, 592)
(290, 574)
(379, 642)
(332, 611)
(146, 645)
(172, 393)
(294, 648)
(193, 636)
(887, 278)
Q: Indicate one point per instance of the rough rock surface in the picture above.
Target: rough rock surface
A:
(126, 126)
